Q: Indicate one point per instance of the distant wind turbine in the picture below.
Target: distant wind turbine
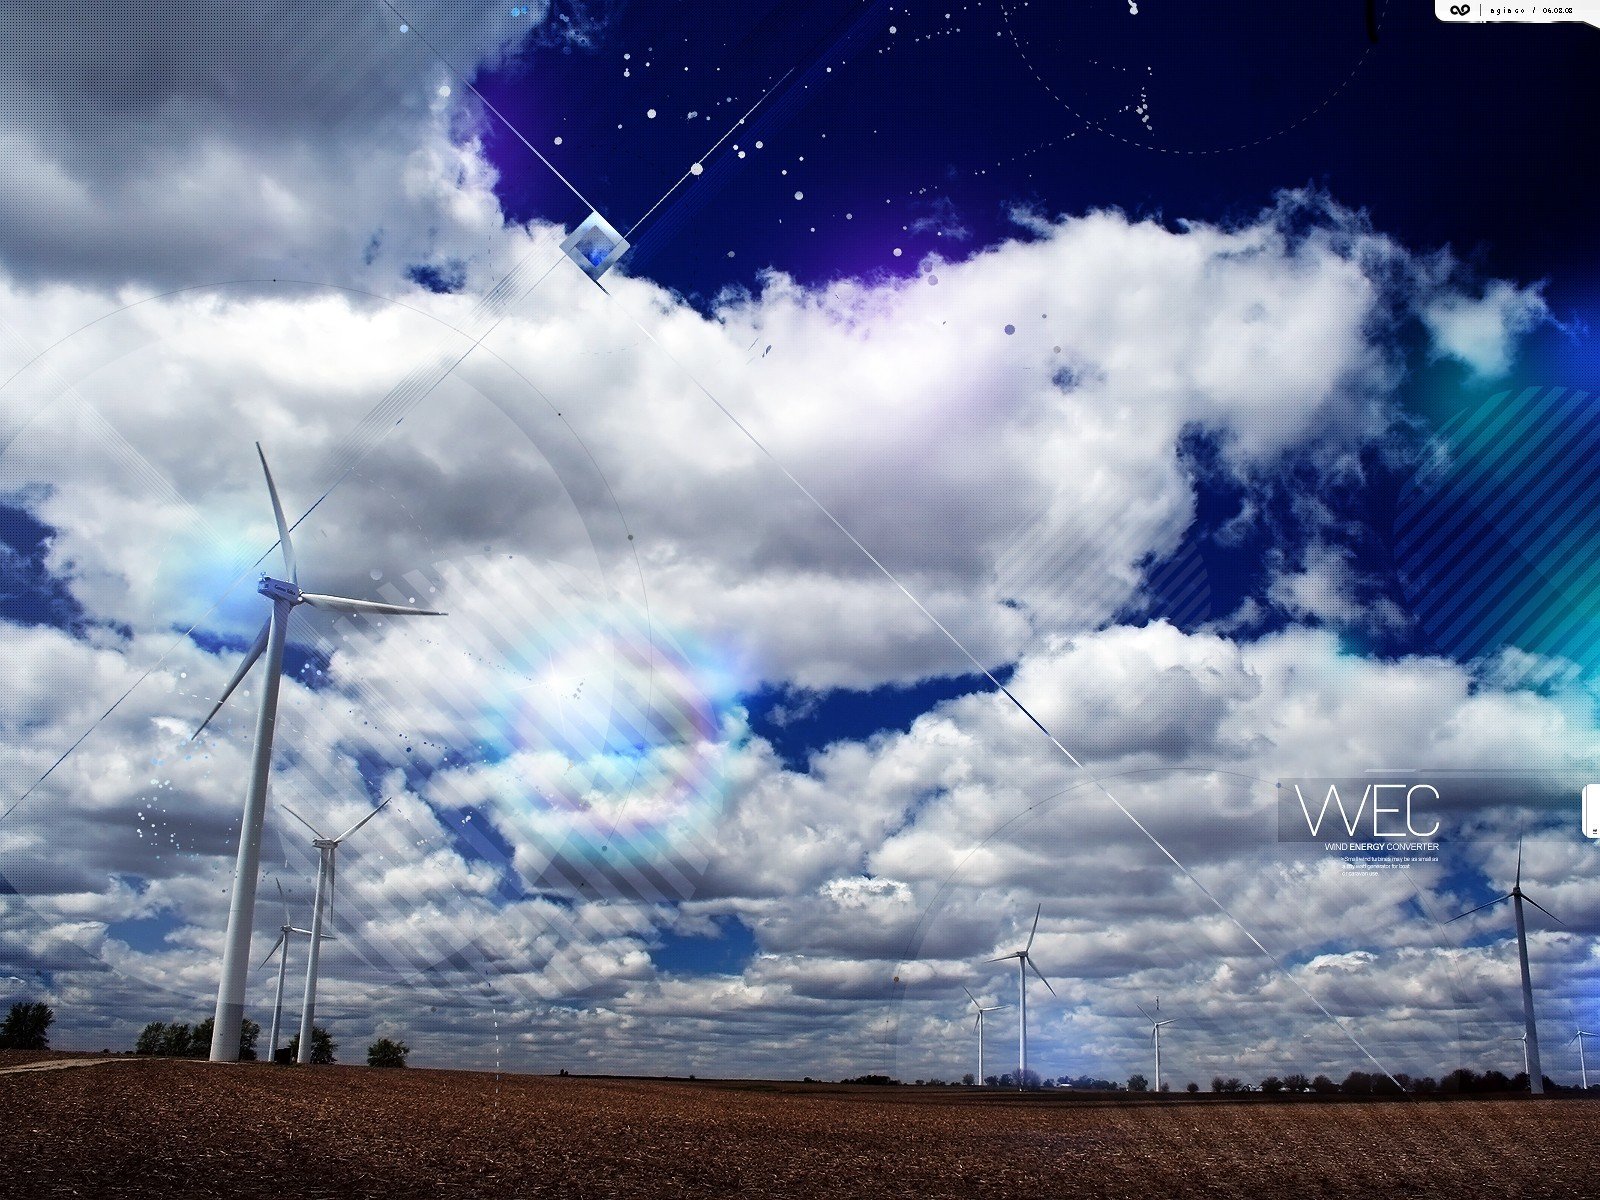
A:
(285, 597)
(1024, 963)
(328, 850)
(981, 1011)
(1583, 1067)
(285, 931)
(1526, 1067)
(1530, 1028)
(1155, 1033)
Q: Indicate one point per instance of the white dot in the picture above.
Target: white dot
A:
(758, 145)
(558, 141)
(651, 113)
(444, 89)
(897, 251)
(799, 195)
(697, 169)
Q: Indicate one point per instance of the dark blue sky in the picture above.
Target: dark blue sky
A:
(919, 128)
(1469, 136)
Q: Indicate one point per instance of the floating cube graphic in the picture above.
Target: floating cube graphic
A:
(595, 246)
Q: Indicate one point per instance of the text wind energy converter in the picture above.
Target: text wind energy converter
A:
(285, 597)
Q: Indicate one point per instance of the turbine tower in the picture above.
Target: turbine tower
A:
(981, 1011)
(1530, 1029)
(285, 596)
(328, 851)
(1024, 962)
(285, 931)
(1155, 1033)
(1583, 1066)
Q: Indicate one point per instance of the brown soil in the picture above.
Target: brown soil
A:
(172, 1128)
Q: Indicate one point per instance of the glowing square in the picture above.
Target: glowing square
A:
(595, 246)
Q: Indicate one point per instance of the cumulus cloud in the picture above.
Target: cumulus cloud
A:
(1006, 441)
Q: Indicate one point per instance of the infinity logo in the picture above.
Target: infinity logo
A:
(1460, 10)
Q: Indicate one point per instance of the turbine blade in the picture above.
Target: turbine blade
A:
(273, 952)
(1480, 908)
(1040, 974)
(1543, 909)
(363, 820)
(973, 998)
(978, 1020)
(282, 900)
(333, 875)
(1519, 862)
(1146, 1015)
(344, 604)
(283, 526)
(1035, 930)
(303, 821)
(1005, 957)
(257, 648)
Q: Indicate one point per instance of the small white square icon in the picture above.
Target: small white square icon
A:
(1591, 810)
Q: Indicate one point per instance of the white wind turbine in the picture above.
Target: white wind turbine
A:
(1024, 962)
(328, 851)
(1530, 1029)
(1155, 1034)
(1526, 1068)
(1583, 1066)
(285, 932)
(285, 597)
(981, 1011)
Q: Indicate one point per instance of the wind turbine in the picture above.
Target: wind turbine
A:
(285, 597)
(1155, 1034)
(1526, 1068)
(328, 850)
(1530, 1029)
(285, 931)
(1024, 962)
(1583, 1067)
(981, 1011)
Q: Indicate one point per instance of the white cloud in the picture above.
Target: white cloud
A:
(1020, 490)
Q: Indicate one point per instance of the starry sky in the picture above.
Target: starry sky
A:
(1018, 443)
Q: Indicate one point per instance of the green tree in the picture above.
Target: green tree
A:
(1296, 1083)
(1271, 1085)
(1138, 1083)
(176, 1039)
(322, 1047)
(200, 1039)
(1192, 1088)
(27, 1027)
(386, 1053)
(151, 1038)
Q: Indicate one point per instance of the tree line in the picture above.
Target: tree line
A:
(27, 1027)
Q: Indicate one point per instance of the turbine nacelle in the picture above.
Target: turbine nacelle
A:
(277, 589)
(287, 593)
